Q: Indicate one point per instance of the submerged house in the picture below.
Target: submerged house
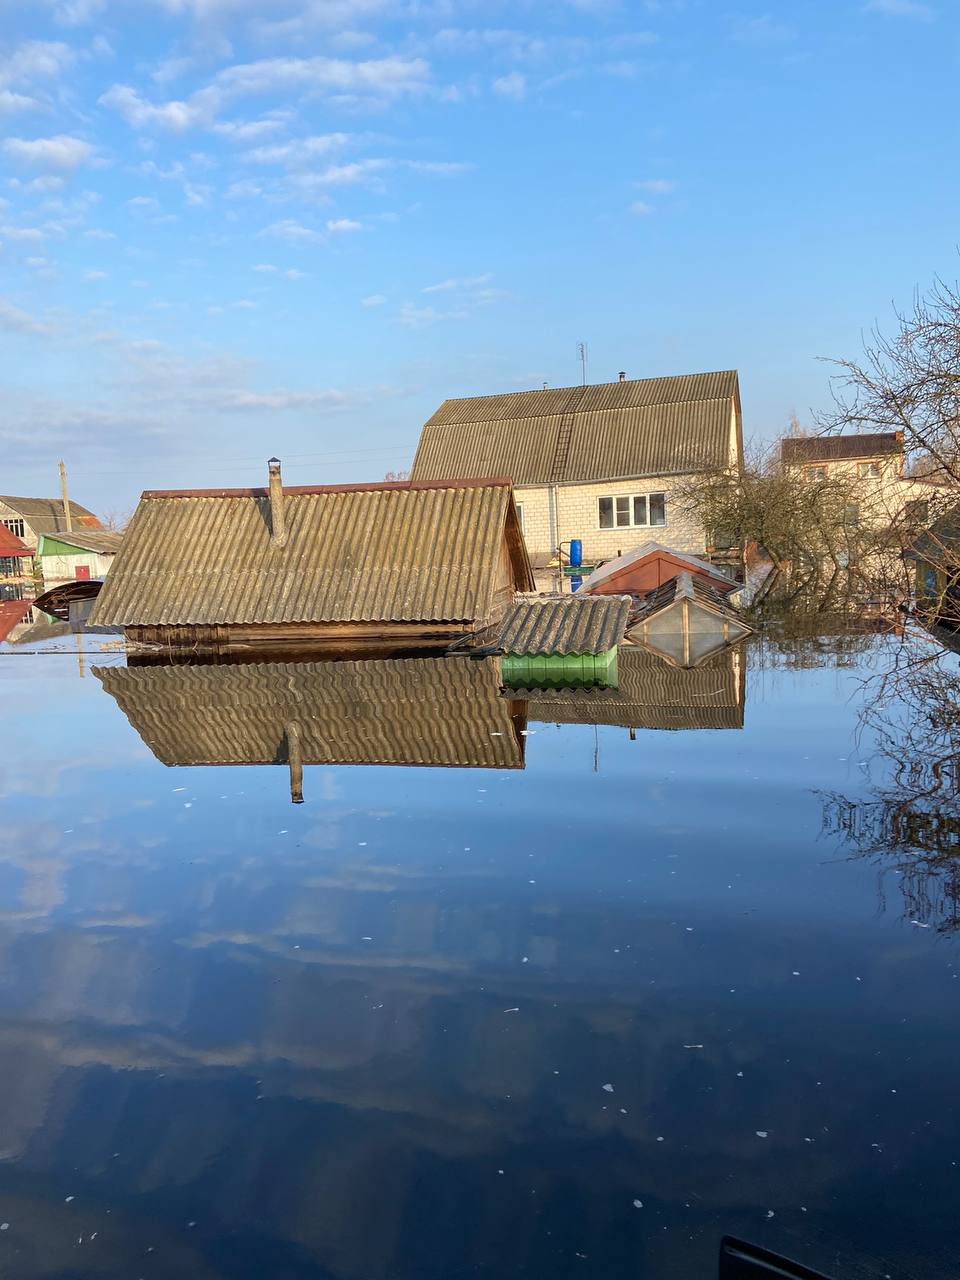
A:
(16, 567)
(428, 712)
(602, 464)
(83, 555)
(397, 565)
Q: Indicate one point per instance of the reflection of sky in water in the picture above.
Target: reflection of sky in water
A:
(288, 1025)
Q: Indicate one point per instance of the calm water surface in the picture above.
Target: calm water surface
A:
(578, 1019)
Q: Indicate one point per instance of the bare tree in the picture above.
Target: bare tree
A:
(909, 382)
(397, 475)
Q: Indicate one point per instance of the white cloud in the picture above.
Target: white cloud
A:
(30, 235)
(11, 102)
(299, 150)
(175, 114)
(292, 231)
(59, 152)
(657, 186)
(442, 167)
(246, 189)
(294, 274)
(387, 77)
(265, 267)
(35, 60)
(900, 9)
(337, 226)
(458, 283)
(374, 300)
(640, 208)
(96, 233)
(17, 321)
(762, 30)
(95, 276)
(244, 304)
(512, 86)
(244, 132)
(412, 317)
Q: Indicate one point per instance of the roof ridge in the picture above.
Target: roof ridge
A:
(306, 490)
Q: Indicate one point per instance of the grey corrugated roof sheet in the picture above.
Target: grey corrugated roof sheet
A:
(652, 695)
(354, 553)
(45, 515)
(436, 712)
(869, 444)
(650, 426)
(103, 541)
(564, 624)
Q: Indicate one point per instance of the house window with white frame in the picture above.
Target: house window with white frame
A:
(818, 472)
(15, 526)
(632, 511)
(869, 470)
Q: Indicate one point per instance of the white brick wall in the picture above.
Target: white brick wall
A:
(578, 517)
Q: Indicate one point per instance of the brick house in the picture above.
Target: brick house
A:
(599, 463)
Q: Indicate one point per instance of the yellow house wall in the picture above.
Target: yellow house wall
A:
(577, 516)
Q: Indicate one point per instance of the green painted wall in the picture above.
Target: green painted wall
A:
(55, 547)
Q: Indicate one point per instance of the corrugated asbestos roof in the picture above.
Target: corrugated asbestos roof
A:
(652, 426)
(558, 624)
(380, 553)
(438, 712)
(651, 695)
(102, 541)
(869, 444)
(45, 515)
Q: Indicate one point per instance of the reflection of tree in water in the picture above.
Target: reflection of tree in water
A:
(816, 618)
(911, 825)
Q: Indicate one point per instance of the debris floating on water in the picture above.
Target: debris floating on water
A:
(638, 1204)
(608, 1088)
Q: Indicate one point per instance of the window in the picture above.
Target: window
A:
(15, 526)
(868, 470)
(815, 473)
(851, 515)
(10, 567)
(519, 506)
(632, 511)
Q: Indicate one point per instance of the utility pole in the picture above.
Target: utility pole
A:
(68, 518)
(582, 357)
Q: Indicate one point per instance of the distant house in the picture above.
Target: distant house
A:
(874, 455)
(79, 556)
(16, 567)
(598, 463)
(649, 566)
(28, 518)
(395, 564)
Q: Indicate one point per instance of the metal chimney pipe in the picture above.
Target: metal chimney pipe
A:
(278, 524)
(622, 375)
(67, 517)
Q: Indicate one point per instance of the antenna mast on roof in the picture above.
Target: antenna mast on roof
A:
(582, 357)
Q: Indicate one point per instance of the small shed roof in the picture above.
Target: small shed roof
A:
(46, 515)
(393, 552)
(437, 712)
(102, 541)
(650, 551)
(868, 444)
(564, 624)
(646, 426)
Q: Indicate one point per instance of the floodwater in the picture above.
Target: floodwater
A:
(580, 1015)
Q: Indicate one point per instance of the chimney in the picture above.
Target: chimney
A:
(67, 517)
(622, 375)
(278, 527)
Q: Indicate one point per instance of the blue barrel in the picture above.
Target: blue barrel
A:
(575, 584)
(576, 553)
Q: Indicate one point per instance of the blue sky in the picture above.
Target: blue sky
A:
(232, 228)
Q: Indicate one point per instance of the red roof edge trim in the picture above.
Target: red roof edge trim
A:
(492, 482)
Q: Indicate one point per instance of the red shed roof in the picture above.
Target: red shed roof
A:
(10, 544)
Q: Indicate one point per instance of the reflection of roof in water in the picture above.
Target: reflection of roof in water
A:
(438, 712)
(652, 695)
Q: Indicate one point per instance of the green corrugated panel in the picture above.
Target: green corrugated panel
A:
(521, 670)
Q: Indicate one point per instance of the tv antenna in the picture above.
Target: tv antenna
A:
(582, 357)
